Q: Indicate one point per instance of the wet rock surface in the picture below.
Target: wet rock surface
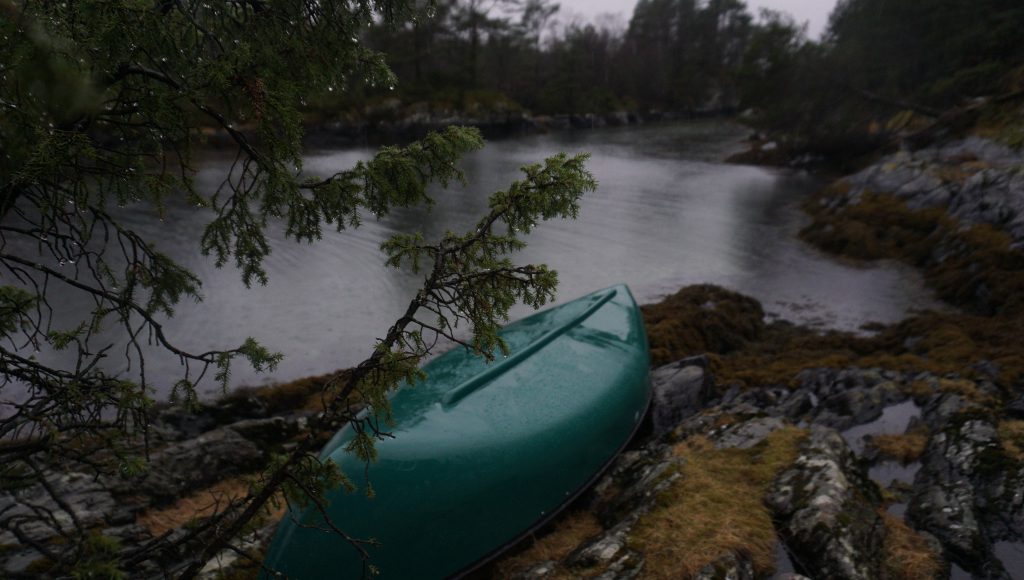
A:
(965, 495)
(976, 180)
(680, 389)
(825, 507)
(189, 454)
(968, 494)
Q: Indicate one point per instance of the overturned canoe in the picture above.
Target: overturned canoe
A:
(482, 453)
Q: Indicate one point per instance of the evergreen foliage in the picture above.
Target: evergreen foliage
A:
(102, 104)
(881, 64)
(832, 97)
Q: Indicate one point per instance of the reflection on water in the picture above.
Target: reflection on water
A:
(667, 213)
(894, 421)
(884, 473)
(1011, 554)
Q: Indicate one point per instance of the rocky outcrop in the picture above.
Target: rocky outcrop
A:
(824, 507)
(826, 510)
(976, 180)
(969, 494)
(821, 506)
(191, 454)
(732, 566)
(184, 467)
(680, 389)
(391, 120)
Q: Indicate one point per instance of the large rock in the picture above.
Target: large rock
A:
(968, 493)
(633, 483)
(747, 434)
(977, 180)
(193, 464)
(680, 389)
(825, 509)
(87, 502)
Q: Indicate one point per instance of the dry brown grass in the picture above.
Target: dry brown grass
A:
(199, 505)
(905, 448)
(966, 389)
(716, 507)
(567, 534)
(907, 555)
(1011, 435)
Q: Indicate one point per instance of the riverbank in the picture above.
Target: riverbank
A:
(894, 455)
(777, 449)
(773, 448)
(391, 121)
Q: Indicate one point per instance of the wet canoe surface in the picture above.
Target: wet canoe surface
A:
(482, 453)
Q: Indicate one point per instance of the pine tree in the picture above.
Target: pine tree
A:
(102, 104)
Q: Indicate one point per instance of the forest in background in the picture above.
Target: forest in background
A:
(876, 59)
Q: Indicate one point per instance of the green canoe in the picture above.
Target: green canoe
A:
(482, 453)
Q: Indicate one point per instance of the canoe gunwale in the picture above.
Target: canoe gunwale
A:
(459, 392)
(569, 499)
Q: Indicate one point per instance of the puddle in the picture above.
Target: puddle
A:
(1011, 554)
(783, 564)
(886, 472)
(897, 509)
(894, 421)
(958, 573)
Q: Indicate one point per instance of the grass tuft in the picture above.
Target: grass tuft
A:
(716, 507)
(903, 448)
(907, 555)
(568, 532)
(701, 319)
(1011, 436)
(200, 505)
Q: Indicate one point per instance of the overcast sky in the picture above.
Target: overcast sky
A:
(814, 12)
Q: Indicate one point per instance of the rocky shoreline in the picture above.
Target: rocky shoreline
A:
(772, 451)
(836, 505)
(393, 122)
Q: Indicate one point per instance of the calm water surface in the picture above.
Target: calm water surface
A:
(668, 213)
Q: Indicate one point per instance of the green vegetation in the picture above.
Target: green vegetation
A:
(103, 104)
(890, 69)
(677, 55)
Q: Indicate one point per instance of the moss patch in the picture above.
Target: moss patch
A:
(907, 555)
(972, 267)
(716, 507)
(942, 343)
(700, 319)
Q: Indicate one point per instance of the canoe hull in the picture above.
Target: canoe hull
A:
(476, 463)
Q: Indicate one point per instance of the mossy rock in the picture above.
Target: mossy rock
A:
(701, 319)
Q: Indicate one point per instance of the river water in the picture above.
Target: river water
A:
(668, 213)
